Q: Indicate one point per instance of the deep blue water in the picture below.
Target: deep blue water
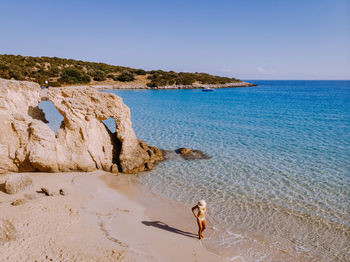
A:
(278, 182)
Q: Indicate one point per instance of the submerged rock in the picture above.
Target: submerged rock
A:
(82, 143)
(190, 154)
(16, 183)
(184, 153)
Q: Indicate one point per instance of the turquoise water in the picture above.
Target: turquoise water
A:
(278, 182)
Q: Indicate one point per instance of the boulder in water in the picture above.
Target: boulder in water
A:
(190, 154)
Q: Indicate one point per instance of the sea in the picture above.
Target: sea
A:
(278, 180)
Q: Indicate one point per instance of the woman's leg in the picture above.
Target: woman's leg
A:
(200, 228)
(204, 224)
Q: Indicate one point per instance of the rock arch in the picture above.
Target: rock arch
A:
(81, 143)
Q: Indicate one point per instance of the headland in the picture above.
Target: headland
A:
(55, 72)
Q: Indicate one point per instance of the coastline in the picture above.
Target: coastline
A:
(142, 86)
(98, 220)
(194, 86)
(252, 225)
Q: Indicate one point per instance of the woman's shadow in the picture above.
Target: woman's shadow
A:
(164, 226)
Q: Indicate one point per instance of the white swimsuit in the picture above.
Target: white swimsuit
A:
(201, 211)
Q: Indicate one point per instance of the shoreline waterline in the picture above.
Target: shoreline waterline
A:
(278, 171)
(220, 240)
(164, 214)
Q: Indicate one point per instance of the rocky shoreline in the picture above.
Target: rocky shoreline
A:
(193, 86)
(82, 143)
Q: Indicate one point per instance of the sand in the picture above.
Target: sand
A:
(103, 217)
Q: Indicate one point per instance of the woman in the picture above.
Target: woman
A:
(202, 223)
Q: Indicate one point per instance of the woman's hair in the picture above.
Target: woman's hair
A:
(202, 203)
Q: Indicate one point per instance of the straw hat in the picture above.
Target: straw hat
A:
(202, 203)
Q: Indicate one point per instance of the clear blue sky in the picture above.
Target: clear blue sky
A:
(248, 39)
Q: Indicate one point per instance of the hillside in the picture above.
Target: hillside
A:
(61, 72)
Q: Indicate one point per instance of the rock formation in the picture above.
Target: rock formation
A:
(184, 153)
(17, 183)
(83, 142)
(190, 154)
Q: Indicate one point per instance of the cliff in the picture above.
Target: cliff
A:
(83, 142)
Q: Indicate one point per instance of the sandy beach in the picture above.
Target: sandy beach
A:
(175, 131)
(101, 217)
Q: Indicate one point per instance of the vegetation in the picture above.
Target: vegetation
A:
(126, 76)
(162, 78)
(99, 75)
(73, 75)
(61, 71)
(140, 72)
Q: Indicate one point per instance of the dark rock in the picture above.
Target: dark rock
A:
(19, 202)
(183, 151)
(190, 154)
(46, 191)
(62, 192)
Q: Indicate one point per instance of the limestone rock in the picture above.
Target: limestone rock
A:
(115, 169)
(83, 142)
(7, 231)
(87, 143)
(16, 183)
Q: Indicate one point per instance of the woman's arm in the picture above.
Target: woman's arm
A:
(193, 209)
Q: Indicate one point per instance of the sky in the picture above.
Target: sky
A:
(246, 39)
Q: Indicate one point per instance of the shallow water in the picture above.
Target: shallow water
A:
(278, 182)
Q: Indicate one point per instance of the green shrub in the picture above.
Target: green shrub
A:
(140, 72)
(185, 79)
(16, 75)
(73, 75)
(115, 78)
(99, 75)
(152, 84)
(5, 74)
(126, 76)
(156, 83)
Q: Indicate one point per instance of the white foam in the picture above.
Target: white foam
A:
(237, 257)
